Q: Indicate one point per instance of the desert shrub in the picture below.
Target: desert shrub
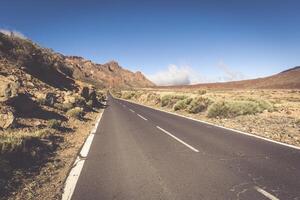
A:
(80, 101)
(264, 105)
(234, 108)
(76, 113)
(67, 106)
(14, 141)
(117, 94)
(165, 100)
(182, 104)
(170, 100)
(137, 95)
(153, 98)
(199, 104)
(179, 105)
(59, 106)
(53, 123)
(127, 95)
(101, 96)
(201, 92)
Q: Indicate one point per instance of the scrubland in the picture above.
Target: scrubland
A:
(273, 114)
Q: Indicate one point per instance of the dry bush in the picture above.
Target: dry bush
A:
(13, 141)
(127, 95)
(53, 123)
(182, 104)
(236, 108)
(171, 100)
(199, 104)
(76, 113)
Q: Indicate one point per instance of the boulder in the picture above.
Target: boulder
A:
(7, 119)
(8, 88)
(85, 92)
(50, 99)
(93, 96)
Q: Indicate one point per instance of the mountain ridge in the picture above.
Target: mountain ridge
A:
(61, 71)
(287, 79)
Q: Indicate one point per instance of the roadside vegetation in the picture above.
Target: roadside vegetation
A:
(270, 113)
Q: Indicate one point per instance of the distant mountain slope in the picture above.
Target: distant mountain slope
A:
(109, 75)
(60, 71)
(288, 79)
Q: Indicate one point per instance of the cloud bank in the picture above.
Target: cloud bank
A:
(173, 75)
(229, 75)
(13, 33)
(185, 75)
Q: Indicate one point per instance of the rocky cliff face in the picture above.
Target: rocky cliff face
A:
(108, 75)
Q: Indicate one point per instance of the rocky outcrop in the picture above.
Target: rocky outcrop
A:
(109, 75)
(8, 87)
(7, 117)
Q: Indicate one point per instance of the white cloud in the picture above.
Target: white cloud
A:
(13, 33)
(229, 75)
(174, 75)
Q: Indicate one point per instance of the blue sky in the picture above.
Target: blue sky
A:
(179, 41)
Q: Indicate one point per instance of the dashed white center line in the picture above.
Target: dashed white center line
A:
(265, 193)
(131, 110)
(142, 117)
(176, 138)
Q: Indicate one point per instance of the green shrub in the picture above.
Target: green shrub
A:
(235, 108)
(182, 104)
(198, 104)
(170, 100)
(75, 113)
(55, 124)
(264, 105)
(179, 105)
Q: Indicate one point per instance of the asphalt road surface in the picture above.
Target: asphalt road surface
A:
(141, 153)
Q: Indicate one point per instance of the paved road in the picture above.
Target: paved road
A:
(140, 153)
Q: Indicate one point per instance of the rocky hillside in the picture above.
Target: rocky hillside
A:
(109, 75)
(288, 79)
(40, 104)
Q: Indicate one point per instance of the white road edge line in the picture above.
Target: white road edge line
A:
(142, 117)
(74, 174)
(131, 110)
(265, 193)
(176, 138)
(231, 129)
